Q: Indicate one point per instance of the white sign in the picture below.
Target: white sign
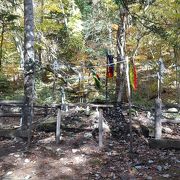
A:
(55, 65)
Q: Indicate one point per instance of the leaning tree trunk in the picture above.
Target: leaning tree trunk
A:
(28, 64)
(1, 43)
(121, 44)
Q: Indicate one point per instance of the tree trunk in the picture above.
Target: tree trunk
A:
(1, 44)
(121, 45)
(177, 62)
(40, 38)
(28, 64)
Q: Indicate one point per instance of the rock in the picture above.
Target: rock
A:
(74, 150)
(9, 173)
(166, 175)
(171, 153)
(138, 167)
(148, 177)
(97, 175)
(16, 155)
(150, 161)
(88, 135)
(49, 148)
(58, 149)
(177, 119)
(148, 114)
(166, 167)
(26, 160)
(159, 168)
(167, 130)
(27, 177)
(77, 108)
(172, 110)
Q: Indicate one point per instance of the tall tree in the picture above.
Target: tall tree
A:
(121, 50)
(28, 63)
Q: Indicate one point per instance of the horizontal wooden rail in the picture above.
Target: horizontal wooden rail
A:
(173, 121)
(85, 105)
(10, 114)
(21, 105)
(10, 102)
(18, 114)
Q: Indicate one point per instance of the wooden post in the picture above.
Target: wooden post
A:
(63, 99)
(159, 86)
(106, 79)
(30, 125)
(20, 123)
(45, 110)
(87, 111)
(158, 122)
(130, 103)
(79, 88)
(100, 128)
(148, 82)
(66, 108)
(54, 85)
(58, 125)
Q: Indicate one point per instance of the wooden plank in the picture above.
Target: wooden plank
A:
(13, 104)
(86, 104)
(164, 143)
(100, 128)
(58, 126)
(18, 114)
(10, 102)
(10, 114)
(158, 123)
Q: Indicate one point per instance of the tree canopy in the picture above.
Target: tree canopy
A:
(75, 33)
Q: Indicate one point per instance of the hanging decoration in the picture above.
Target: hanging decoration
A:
(110, 69)
(96, 79)
(133, 77)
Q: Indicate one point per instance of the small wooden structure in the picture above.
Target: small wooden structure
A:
(100, 117)
(158, 142)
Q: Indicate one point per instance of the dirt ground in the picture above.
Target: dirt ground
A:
(78, 157)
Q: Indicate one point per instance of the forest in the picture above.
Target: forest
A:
(89, 89)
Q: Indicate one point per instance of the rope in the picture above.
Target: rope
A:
(101, 65)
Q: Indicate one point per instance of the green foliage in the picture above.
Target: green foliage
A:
(5, 85)
(43, 93)
(73, 31)
(85, 7)
(118, 2)
(45, 96)
(98, 99)
(140, 100)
